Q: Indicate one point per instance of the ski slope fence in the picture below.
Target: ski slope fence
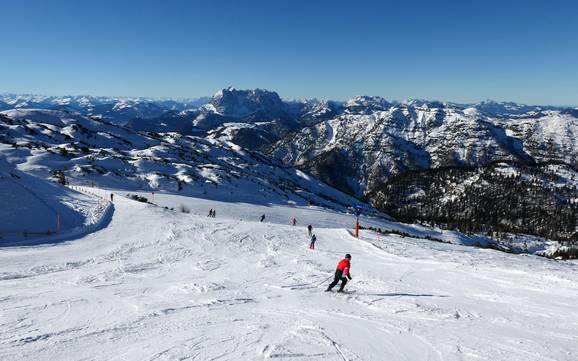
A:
(101, 214)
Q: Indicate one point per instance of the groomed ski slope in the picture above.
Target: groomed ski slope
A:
(162, 285)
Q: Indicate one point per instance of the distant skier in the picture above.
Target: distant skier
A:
(210, 213)
(309, 230)
(341, 273)
(262, 218)
(312, 244)
(214, 213)
(111, 196)
(294, 221)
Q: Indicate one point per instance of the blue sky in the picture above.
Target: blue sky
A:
(461, 51)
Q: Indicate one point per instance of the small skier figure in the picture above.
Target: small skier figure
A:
(262, 218)
(341, 273)
(294, 221)
(309, 230)
(312, 244)
(111, 196)
(210, 212)
(214, 213)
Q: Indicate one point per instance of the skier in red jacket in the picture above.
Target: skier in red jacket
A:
(341, 273)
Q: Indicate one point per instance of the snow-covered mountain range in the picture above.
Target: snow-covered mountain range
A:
(373, 140)
(46, 142)
(365, 140)
(255, 136)
(117, 110)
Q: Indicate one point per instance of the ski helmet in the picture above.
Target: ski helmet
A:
(348, 256)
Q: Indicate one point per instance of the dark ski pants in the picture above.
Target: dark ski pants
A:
(338, 277)
(312, 245)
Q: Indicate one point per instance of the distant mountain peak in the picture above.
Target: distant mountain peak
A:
(366, 104)
(509, 108)
(236, 103)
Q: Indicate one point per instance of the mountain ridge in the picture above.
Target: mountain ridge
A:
(367, 137)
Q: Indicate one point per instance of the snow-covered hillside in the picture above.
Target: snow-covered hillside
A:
(374, 140)
(91, 150)
(34, 208)
(163, 285)
(496, 200)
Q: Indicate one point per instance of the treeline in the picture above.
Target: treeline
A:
(540, 200)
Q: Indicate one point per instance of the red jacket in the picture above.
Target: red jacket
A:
(344, 265)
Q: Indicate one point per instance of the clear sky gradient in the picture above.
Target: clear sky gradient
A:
(462, 51)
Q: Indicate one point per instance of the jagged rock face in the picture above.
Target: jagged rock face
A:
(313, 111)
(248, 104)
(547, 136)
(251, 118)
(358, 152)
(366, 105)
(234, 114)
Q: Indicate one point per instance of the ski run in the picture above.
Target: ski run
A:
(158, 284)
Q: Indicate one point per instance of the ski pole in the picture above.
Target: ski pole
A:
(324, 281)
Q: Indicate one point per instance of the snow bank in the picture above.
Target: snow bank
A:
(34, 210)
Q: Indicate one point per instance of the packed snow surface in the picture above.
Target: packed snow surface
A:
(157, 284)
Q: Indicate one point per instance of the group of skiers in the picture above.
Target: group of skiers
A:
(342, 272)
(312, 237)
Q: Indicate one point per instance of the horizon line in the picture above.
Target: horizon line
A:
(184, 98)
